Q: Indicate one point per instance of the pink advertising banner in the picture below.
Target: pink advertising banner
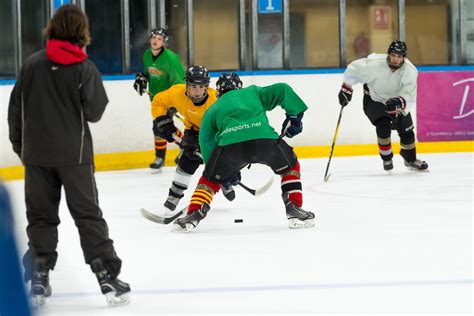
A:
(445, 106)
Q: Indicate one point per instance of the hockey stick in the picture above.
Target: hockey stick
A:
(326, 175)
(173, 112)
(258, 191)
(159, 218)
(255, 192)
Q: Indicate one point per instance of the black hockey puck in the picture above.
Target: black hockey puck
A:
(238, 220)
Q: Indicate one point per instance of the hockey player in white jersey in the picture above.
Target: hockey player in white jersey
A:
(389, 92)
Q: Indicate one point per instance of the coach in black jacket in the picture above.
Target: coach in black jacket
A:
(57, 92)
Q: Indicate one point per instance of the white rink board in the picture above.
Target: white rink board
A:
(126, 124)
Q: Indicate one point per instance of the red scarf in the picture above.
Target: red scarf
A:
(64, 52)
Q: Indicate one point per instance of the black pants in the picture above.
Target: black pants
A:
(384, 123)
(191, 155)
(227, 161)
(43, 194)
(375, 111)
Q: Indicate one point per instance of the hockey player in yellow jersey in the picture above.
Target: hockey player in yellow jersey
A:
(191, 100)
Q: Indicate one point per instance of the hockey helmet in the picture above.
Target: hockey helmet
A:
(197, 75)
(227, 82)
(398, 47)
(159, 31)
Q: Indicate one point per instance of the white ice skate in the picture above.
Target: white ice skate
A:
(297, 217)
(189, 222)
(184, 228)
(417, 165)
(114, 300)
(294, 223)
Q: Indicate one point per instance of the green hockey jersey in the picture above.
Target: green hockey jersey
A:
(164, 71)
(240, 115)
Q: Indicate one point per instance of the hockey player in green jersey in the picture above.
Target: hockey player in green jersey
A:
(236, 132)
(162, 68)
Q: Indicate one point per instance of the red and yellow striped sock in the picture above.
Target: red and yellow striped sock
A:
(203, 193)
(160, 147)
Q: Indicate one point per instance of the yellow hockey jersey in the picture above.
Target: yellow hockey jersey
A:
(176, 97)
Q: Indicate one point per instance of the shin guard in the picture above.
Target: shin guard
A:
(384, 140)
(408, 146)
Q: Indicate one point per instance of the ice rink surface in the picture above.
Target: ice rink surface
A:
(382, 244)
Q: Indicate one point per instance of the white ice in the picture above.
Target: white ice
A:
(399, 243)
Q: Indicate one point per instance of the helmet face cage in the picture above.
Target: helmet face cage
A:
(398, 47)
(160, 32)
(197, 75)
(227, 82)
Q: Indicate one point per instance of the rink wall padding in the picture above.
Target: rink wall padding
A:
(123, 139)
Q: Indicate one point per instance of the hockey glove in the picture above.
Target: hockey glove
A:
(232, 181)
(295, 127)
(394, 106)
(163, 126)
(345, 95)
(190, 144)
(141, 81)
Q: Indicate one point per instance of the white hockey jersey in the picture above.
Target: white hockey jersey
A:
(384, 83)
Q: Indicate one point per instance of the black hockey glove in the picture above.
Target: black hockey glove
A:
(232, 181)
(295, 127)
(141, 81)
(190, 144)
(394, 106)
(163, 126)
(345, 95)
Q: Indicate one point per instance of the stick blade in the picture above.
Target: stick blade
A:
(265, 188)
(326, 178)
(159, 219)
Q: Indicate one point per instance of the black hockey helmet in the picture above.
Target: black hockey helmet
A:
(159, 31)
(398, 47)
(227, 82)
(197, 75)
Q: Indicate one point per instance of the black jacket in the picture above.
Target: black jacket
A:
(49, 108)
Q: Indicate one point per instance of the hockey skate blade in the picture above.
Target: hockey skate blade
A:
(417, 170)
(155, 171)
(160, 219)
(178, 229)
(116, 301)
(295, 223)
(38, 300)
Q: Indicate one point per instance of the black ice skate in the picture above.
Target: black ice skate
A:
(157, 164)
(115, 291)
(40, 288)
(387, 165)
(190, 221)
(228, 192)
(297, 217)
(417, 165)
(172, 202)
